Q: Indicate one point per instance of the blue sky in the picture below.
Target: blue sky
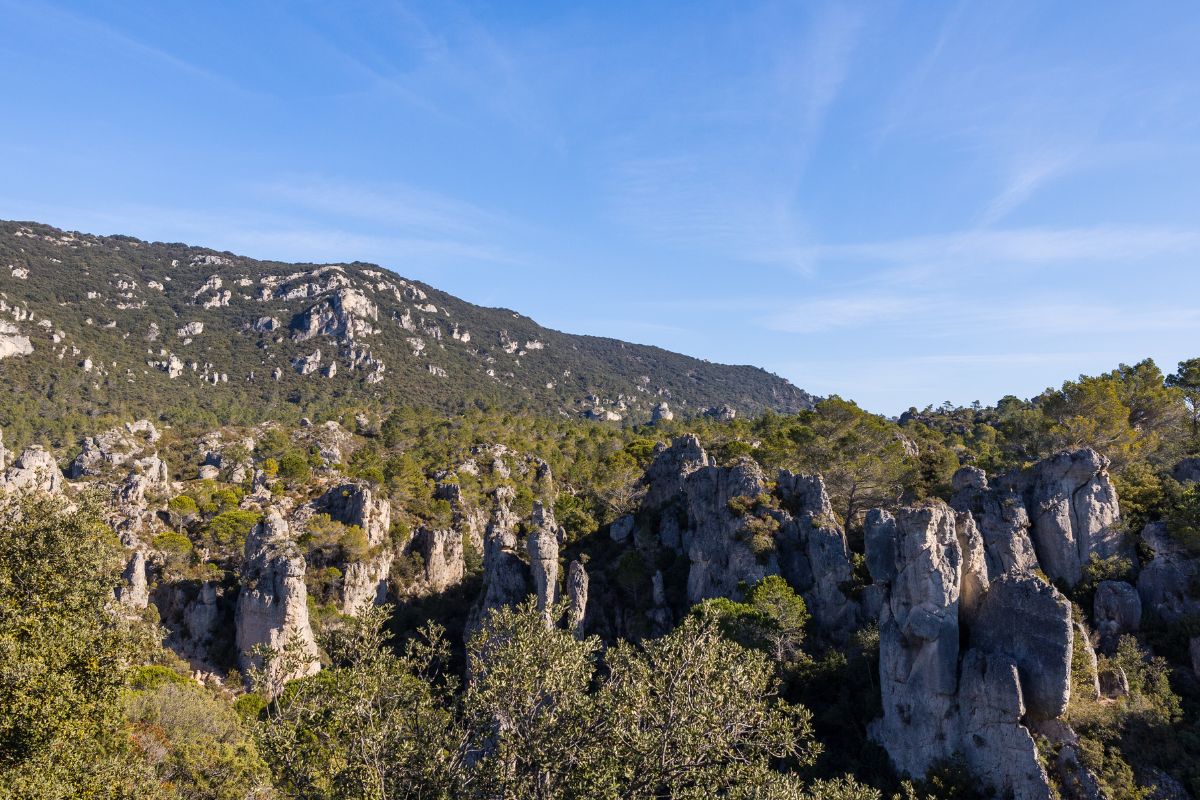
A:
(902, 203)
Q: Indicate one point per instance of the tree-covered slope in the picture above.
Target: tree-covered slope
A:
(112, 325)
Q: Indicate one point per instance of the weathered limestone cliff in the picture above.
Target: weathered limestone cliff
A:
(1056, 516)
(734, 530)
(272, 608)
(956, 679)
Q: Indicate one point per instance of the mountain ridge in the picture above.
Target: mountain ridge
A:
(124, 324)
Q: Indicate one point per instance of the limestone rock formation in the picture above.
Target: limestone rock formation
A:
(1117, 609)
(200, 618)
(505, 581)
(1029, 621)
(996, 746)
(33, 471)
(345, 314)
(812, 551)
(672, 465)
(134, 591)
(357, 504)
(12, 342)
(734, 528)
(619, 531)
(916, 555)
(1055, 516)
(1164, 584)
(928, 563)
(720, 552)
(272, 608)
(1003, 523)
(543, 559)
(975, 580)
(441, 554)
(577, 597)
(115, 447)
(1073, 510)
(365, 582)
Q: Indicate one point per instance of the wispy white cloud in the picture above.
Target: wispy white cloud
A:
(725, 192)
(120, 41)
(394, 206)
(850, 311)
(1023, 182)
(1035, 245)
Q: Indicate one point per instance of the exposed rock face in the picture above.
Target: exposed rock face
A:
(543, 559)
(916, 555)
(134, 591)
(1056, 516)
(441, 553)
(114, 448)
(272, 607)
(720, 553)
(1000, 516)
(1117, 609)
(356, 504)
(1073, 507)
(661, 413)
(365, 582)
(813, 555)
(996, 746)
(1029, 621)
(1164, 584)
(12, 342)
(671, 466)
(975, 580)
(200, 618)
(577, 597)
(346, 314)
(929, 565)
(33, 471)
(733, 530)
(504, 573)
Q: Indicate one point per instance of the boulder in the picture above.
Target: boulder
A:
(619, 531)
(1113, 682)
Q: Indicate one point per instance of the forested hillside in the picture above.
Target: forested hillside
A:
(96, 325)
(400, 603)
